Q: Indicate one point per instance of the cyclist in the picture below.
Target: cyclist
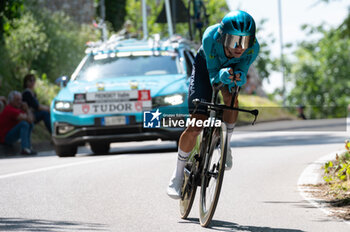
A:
(227, 51)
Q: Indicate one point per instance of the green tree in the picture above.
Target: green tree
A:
(216, 9)
(134, 15)
(9, 10)
(24, 43)
(264, 63)
(321, 73)
(66, 44)
(45, 43)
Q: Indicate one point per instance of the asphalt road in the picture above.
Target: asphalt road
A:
(125, 190)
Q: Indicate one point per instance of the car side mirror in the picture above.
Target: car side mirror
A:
(62, 81)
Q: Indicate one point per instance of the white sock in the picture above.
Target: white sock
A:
(230, 127)
(181, 161)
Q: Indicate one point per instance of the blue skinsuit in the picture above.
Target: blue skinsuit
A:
(211, 66)
(217, 62)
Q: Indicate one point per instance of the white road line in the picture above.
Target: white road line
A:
(56, 167)
(311, 176)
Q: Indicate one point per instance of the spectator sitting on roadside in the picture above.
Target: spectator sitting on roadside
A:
(17, 123)
(3, 101)
(301, 114)
(41, 112)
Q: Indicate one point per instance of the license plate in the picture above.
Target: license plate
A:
(115, 121)
(111, 107)
(118, 102)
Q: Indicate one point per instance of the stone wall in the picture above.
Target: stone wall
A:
(82, 11)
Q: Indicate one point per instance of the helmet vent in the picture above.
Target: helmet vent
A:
(235, 25)
(248, 25)
(242, 26)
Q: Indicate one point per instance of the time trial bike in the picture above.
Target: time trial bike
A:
(205, 166)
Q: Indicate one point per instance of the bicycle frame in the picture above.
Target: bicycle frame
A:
(198, 169)
(215, 112)
(214, 106)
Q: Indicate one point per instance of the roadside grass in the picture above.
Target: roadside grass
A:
(268, 110)
(40, 133)
(337, 177)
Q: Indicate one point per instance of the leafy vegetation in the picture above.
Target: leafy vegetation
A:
(268, 110)
(44, 43)
(216, 9)
(338, 170)
(9, 10)
(320, 74)
(264, 63)
(337, 174)
(25, 42)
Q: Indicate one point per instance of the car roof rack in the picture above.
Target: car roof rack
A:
(119, 43)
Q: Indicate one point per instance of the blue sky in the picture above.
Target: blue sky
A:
(295, 13)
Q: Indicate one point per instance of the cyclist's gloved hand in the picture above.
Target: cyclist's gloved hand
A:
(242, 77)
(228, 77)
(225, 76)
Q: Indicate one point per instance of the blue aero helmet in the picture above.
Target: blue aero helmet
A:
(236, 29)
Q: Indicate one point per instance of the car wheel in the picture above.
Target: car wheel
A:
(100, 148)
(65, 151)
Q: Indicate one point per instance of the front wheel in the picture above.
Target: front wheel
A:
(65, 151)
(100, 148)
(212, 175)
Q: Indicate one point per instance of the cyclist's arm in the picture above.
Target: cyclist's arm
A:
(212, 60)
(243, 66)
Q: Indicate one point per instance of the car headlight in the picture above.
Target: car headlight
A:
(169, 100)
(65, 106)
(64, 128)
(176, 99)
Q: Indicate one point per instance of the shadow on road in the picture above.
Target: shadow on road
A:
(157, 148)
(285, 140)
(299, 204)
(84, 151)
(230, 226)
(22, 224)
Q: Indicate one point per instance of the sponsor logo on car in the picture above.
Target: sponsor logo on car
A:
(96, 103)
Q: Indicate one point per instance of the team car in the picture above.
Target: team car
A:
(106, 97)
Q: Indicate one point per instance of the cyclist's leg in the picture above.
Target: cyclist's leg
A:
(186, 144)
(200, 88)
(189, 136)
(230, 118)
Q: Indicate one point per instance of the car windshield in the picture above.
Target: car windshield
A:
(128, 66)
